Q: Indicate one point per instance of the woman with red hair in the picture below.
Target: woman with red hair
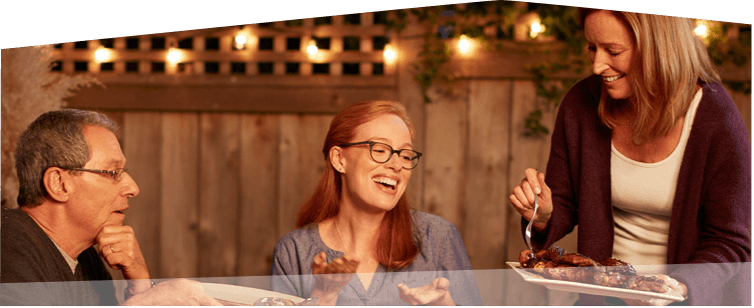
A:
(358, 221)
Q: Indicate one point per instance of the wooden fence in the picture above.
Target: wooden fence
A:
(224, 161)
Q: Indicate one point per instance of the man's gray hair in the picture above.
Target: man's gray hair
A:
(54, 139)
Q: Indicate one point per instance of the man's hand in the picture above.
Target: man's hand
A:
(118, 246)
(434, 294)
(179, 292)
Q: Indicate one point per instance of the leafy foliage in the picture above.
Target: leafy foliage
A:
(472, 19)
(29, 89)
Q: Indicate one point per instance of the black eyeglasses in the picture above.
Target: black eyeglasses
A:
(117, 174)
(382, 153)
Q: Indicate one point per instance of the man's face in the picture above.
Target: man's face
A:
(97, 199)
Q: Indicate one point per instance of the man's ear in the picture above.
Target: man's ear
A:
(58, 183)
(337, 160)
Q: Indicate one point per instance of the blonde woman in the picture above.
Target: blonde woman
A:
(651, 159)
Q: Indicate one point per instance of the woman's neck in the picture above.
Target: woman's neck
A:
(357, 231)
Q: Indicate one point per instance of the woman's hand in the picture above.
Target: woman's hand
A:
(330, 278)
(522, 198)
(435, 293)
(672, 286)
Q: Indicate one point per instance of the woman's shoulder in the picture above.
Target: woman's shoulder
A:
(719, 112)
(716, 99)
(305, 235)
(584, 91)
(432, 224)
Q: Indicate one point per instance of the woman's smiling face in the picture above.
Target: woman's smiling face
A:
(370, 185)
(611, 49)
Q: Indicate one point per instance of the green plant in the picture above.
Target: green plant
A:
(471, 19)
(447, 22)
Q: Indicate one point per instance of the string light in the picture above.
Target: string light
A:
(464, 44)
(242, 37)
(102, 54)
(701, 30)
(312, 48)
(174, 55)
(389, 53)
(536, 28)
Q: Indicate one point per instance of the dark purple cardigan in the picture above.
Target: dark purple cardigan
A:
(711, 217)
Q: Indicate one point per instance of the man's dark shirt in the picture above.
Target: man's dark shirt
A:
(34, 272)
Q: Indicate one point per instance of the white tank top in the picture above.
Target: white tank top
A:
(642, 198)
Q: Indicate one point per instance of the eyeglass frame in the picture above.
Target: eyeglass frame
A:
(111, 173)
(392, 151)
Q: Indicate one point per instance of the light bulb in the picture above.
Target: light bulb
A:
(312, 48)
(174, 55)
(240, 41)
(701, 31)
(389, 53)
(536, 28)
(463, 44)
(102, 54)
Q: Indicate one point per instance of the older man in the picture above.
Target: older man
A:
(74, 192)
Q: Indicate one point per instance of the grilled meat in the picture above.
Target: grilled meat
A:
(555, 263)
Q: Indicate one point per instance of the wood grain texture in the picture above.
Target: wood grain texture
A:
(446, 145)
(180, 196)
(301, 164)
(228, 98)
(486, 173)
(219, 194)
(258, 214)
(142, 145)
(409, 94)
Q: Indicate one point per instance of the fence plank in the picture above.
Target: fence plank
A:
(486, 173)
(141, 146)
(301, 163)
(446, 149)
(259, 190)
(409, 94)
(180, 195)
(218, 194)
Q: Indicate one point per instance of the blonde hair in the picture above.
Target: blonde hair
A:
(669, 61)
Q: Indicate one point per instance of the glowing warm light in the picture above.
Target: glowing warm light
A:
(240, 40)
(389, 53)
(701, 30)
(464, 44)
(312, 48)
(174, 56)
(536, 28)
(102, 54)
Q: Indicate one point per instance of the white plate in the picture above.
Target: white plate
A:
(232, 294)
(586, 288)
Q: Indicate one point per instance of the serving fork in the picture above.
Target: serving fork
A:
(531, 222)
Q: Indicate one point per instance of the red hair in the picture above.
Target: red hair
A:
(396, 248)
